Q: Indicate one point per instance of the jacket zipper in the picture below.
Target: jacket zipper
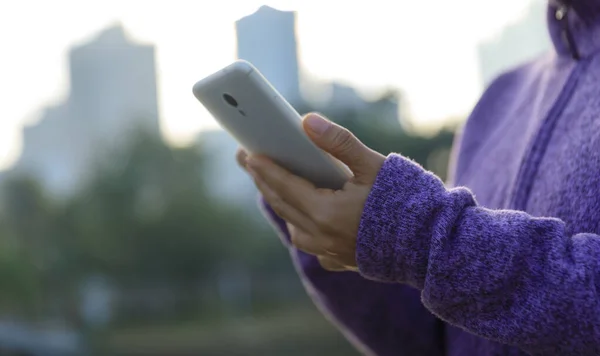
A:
(537, 147)
(562, 15)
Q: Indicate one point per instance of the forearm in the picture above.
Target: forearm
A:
(504, 275)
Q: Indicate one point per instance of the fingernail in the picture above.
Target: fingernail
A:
(317, 124)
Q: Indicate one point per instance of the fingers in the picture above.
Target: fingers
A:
(334, 139)
(312, 244)
(343, 145)
(282, 208)
(304, 241)
(240, 157)
(294, 190)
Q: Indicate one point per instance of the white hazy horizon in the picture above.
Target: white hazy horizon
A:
(428, 49)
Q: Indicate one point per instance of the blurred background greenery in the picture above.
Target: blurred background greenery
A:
(145, 226)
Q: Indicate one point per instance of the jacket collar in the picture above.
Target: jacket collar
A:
(574, 27)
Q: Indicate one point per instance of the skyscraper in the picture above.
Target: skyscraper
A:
(517, 43)
(267, 39)
(113, 84)
(113, 89)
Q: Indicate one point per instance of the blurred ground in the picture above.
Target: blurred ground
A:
(294, 332)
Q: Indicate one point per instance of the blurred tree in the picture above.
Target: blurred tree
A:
(20, 287)
(146, 215)
(25, 249)
(145, 221)
(29, 213)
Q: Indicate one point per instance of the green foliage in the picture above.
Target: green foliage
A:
(147, 216)
(145, 219)
(19, 280)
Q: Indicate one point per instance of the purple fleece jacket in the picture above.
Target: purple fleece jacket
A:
(508, 261)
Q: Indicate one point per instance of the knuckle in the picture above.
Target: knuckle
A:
(343, 139)
(330, 245)
(303, 243)
(276, 182)
(325, 220)
(281, 183)
(277, 205)
(321, 220)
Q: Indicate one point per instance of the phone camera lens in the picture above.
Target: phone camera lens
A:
(230, 100)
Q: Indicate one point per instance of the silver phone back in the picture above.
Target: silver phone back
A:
(264, 123)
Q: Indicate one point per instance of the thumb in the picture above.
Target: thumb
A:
(343, 145)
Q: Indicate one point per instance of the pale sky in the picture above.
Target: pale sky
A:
(426, 47)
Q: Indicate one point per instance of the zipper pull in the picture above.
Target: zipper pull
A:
(562, 15)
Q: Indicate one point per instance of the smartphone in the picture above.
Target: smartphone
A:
(247, 106)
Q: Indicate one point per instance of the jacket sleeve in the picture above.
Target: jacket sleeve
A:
(377, 318)
(499, 274)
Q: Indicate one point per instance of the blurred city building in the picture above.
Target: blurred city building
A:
(112, 90)
(267, 39)
(517, 43)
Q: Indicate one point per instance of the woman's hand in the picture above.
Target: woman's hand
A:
(323, 222)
